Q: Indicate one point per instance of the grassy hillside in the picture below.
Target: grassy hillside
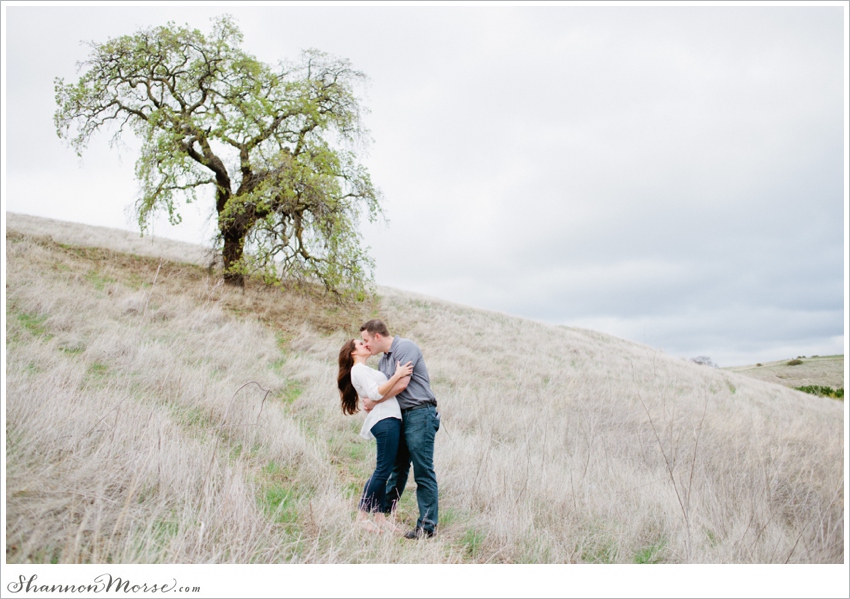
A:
(154, 415)
(821, 371)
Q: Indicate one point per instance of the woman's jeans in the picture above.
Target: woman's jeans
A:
(387, 433)
(417, 447)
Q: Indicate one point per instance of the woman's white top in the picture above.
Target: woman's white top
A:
(366, 381)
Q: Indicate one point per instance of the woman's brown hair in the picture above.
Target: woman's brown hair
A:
(347, 393)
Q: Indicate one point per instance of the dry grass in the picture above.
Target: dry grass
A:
(821, 371)
(127, 242)
(155, 416)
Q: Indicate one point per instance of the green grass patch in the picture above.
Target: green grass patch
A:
(158, 537)
(279, 502)
(138, 282)
(281, 497)
(597, 545)
(472, 541)
(277, 365)
(284, 504)
(97, 376)
(162, 530)
(192, 417)
(350, 447)
(283, 340)
(97, 373)
(651, 554)
(274, 471)
(33, 368)
(98, 370)
(236, 452)
(72, 349)
(450, 515)
(46, 555)
(353, 489)
(358, 450)
(196, 417)
(822, 391)
(33, 324)
(354, 459)
(407, 504)
(98, 280)
(599, 553)
(291, 392)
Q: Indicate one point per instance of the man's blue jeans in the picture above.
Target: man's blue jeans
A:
(416, 447)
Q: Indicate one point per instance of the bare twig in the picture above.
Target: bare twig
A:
(669, 466)
(790, 553)
(224, 420)
(144, 311)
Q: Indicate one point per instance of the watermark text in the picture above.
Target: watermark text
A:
(104, 583)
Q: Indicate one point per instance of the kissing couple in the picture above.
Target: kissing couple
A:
(402, 417)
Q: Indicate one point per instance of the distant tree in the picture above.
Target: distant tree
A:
(274, 143)
(704, 361)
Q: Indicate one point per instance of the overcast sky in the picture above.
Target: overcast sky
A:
(672, 175)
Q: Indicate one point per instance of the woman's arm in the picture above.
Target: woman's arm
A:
(400, 373)
(400, 386)
(394, 385)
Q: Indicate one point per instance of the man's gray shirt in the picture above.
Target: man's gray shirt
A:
(418, 390)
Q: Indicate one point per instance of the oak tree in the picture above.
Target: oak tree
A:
(273, 144)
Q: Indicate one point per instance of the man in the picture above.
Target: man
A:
(420, 423)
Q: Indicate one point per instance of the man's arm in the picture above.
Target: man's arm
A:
(407, 351)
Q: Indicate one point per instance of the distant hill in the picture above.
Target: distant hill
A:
(823, 371)
(155, 415)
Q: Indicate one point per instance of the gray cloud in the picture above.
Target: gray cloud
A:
(673, 175)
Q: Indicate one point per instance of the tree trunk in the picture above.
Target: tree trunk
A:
(232, 231)
(233, 245)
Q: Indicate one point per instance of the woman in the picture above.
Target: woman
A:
(355, 381)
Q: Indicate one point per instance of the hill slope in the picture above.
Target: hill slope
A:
(821, 371)
(154, 415)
